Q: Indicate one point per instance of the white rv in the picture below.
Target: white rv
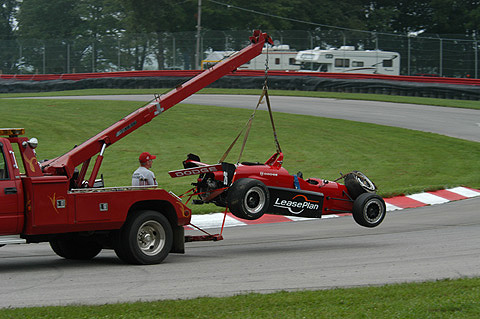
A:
(280, 57)
(347, 59)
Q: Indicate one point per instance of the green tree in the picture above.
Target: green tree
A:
(45, 28)
(61, 36)
(158, 19)
(98, 36)
(49, 19)
(9, 48)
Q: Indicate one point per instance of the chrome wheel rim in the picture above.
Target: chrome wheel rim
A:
(373, 211)
(151, 238)
(254, 200)
(365, 182)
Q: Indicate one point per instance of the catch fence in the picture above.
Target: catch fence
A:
(420, 54)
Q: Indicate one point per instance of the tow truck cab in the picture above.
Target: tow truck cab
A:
(41, 207)
(11, 191)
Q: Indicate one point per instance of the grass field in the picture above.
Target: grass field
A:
(399, 161)
(454, 299)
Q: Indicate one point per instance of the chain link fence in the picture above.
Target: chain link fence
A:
(421, 54)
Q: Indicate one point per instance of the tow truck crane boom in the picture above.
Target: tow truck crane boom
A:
(65, 164)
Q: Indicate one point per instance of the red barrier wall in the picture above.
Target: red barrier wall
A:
(191, 73)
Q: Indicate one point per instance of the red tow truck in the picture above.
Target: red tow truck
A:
(54, 201)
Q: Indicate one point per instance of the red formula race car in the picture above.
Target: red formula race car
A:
(251, 189)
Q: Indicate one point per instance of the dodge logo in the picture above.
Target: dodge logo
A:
(195, 170)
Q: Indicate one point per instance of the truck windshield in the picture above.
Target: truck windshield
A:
(3, 164)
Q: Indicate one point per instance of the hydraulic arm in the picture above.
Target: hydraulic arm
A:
(65, 164)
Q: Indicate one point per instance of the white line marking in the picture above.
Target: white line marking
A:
(300, 219)
(215, 220)
(428, 198)
(464, 191)
(391, 207)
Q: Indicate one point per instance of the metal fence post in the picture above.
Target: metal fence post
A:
(43, 57)
(441, 56)
(68, 57)
(408, 54)
(174, 52)
(20, 49)
(118, 54)
(476, 58)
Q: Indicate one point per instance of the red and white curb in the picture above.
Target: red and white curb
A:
(215, 220)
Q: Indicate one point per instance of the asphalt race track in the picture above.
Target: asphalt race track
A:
(428, 243)
(419, 244)
(454, 122)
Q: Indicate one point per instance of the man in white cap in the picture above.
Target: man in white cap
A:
(143, 175)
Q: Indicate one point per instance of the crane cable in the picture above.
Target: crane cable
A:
(248, 125)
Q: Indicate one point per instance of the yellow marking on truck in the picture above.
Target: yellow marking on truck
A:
(54, 201)
(32, 163)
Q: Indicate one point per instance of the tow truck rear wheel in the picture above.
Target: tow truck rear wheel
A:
(248, 198)
(145, 239)
(369, 210)
(75, 247)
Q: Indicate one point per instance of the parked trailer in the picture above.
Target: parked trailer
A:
(347, 59)
(280, 57)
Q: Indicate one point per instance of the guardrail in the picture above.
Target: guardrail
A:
(191, 73)
(419, 86)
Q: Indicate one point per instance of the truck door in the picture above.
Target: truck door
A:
(9, 210)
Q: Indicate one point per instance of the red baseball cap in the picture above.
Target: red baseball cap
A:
(145, 156)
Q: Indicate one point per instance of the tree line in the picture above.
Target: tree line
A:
(87, 27)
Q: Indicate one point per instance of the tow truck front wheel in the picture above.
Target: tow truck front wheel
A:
(369, 210)
(146, 238)
(75, 247)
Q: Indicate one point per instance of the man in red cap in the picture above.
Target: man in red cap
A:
(143, 175)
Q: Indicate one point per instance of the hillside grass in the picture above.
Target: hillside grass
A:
(399, 161)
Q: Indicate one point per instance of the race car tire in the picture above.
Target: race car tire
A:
(248, 198)
(358, 183)
(369, 210)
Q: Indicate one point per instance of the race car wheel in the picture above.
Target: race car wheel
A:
(248, 198)
(357, 183)
(369, 210)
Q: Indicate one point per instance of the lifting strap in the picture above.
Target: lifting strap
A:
(248, 126)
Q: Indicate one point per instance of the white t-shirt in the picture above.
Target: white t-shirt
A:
(143, 176)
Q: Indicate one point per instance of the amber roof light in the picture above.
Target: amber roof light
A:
(12, 132)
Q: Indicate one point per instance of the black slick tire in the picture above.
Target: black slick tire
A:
(369, 210)
(248, 198)
(358, 183)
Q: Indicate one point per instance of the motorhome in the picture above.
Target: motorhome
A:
(280, 57)
(347, 59)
